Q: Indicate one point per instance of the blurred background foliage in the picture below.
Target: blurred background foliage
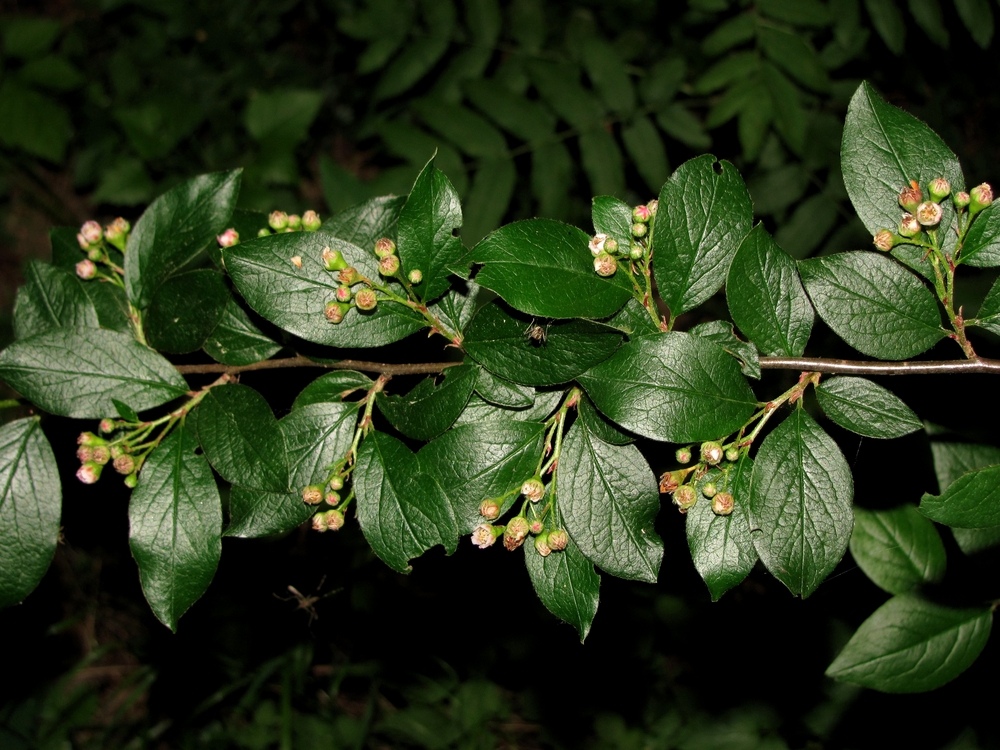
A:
(532, 107)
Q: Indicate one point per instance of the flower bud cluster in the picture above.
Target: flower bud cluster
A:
(607, 251)
(683, 484)
(279, 221)
(94, 241)
(926, 215)
(345, 297)
(517, 530)
(95, 453)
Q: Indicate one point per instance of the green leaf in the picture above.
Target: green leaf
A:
(910, 645)
(471, 132)
(951, 461)
(608, 498)
(972, 501)
(800, 503)
(75, 372)
(706, 214)
(928, 15)
(363, 224)
(429, 409)
(796, 12)
(602, 162)
(634, 320)
(54, 73)
(808, 226)
(731, 33)
(499, 339)
(458, 306)
(255, 513)
(519, 256)
(489, 198)
(185, 311)
(241, 438)
(294, 298)
(281, 119)
(789, 115)
(551, 174)
(413, 63)
(403, 512)
(125, 182)
(883, 149)
(721, 333)
(645, 148)
(606, 71)
(866, 408)
(766, 298)
(33, 122)
(159, 123)
(111, 304)
(730, 69)
(978, 19)
(51, 298)
(673, 387)
(873, 304)
(332, 387)
(30, 505)
(682, 125)
(175, 228)
(526, 119)
(426, 231)
(175, 518)
(125, 411)
(567, 585)
(486, 459)
(236, 340)
(600, 426)
(755, 118)
(888, 22)
(793, 53)
(721, 548)
(316, 437)
(26, 38)
(479, 411)
(503, 392)
(559, 86)
(982, 243)
(777, 189)
(613, 218)
(898, 548)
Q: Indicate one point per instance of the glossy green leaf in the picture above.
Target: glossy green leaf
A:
(544, 268)
(721, 548)
(125, 411)
(645, 149)
(429, 409)
(599, 425)
(567, 585)
(185, 311)
(989, 312)
(76, 372)
(503, 392)
(500, 340)
(951, 461)
(888, 22)
(972, 501)
(634, 320)
(175, 518)
(241, 438)
(608, 498)
(175, 228)
(30, 506)
(800, 503)
(236, 340)
(793, 53)
(898, 548)
(363, 224)
(332, 388)
(721, 333)
(674, 387)
(51, 298)
(479, 411)
(978, 19)
(255, 513)
(766, 298)
(294, 298)
(910, 645)
(111, 304)
(982, 243)
(602, 162)
(403, 512)
(458, 306)
(873, 303)
(864, 407)
(706, 214)
(489, 198)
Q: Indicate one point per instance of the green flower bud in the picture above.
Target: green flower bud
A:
(652, 206)
(85, 453)
(911, 197)
(489, 509)
(124, 464)
(294, 222)
(101, 454)
(542, 545)
(337, 483)
(711, 452)
(278, 220)
(415, 276)
(313, 494)
(961, 200)
(115, 236)
(639, 230)
(131, 481)
(365, 299)
(722, 504)
(636, 251)
(558, 540)
(389, 265)
(90, 472)
(335, 311)
(95, 254)
(709, 489)
(349, 275)
(685, 497)
(884, 239)
(909, 226)
(939, 189)
(683, 455)
(611, 245)
(641, 214)
(605, 265)
(89, 438)
(515, 533)
(311, 221)
(536, 526)
(533, 489)
(979, 198)
(333, 260)
(929, 214)
(334, 520)
(732, 454)
(384, 247)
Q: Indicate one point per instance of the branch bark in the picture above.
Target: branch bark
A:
(382, 368)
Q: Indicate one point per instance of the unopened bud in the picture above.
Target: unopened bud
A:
(636, 251)
(909, 226)
(961, 200)
(558, 540)
(722, 504)
(542, 545)
(89, 473)
(122, 225)
(536, 526)
(335, 311)
(334, 519)
(365, 299)
(709, 489)
(597, 243)
(884, 240)
(131, 481)
(311, 221)
(641, 214)
(605, 265)
(332, 498)
(389, 265)
(101, 454)
(533, 489)
(349, 275)
(312, 495)
(278, 220)
(82, 241)
(86, 269)
(124, 464)
(979, 198)
(415, 276)
(611, 245)
(228, 238)
(337, 483)
(515, 533)
(683, 455)
(711, 452)
(263, 232)
(732, 454)
(89, 438)
(489, 509)
(333, 260)
(384, 247)
(939, 189)
(114, 235)
(343, 293)
(685, 497)
(670, 481)
(929, 214)
(95, 254)
(294, 222)
(85, 453)
(910, 197)
(653, 205)
(92, 232)
(106, 426)
(639, 230)
(484, 535)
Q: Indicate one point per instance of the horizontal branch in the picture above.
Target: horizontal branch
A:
(420, 368)
(856, 367)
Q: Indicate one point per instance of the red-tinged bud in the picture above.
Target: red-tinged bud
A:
(515, 533)
(319, 523)
(389, 265)
(89, 473)
(294, 222)
(884, 240)
(685, 497)
(124, 464)
(605, 265)
(313, 494)
(939, 189)
(122, 225)
(335, 311)
(334, 520)
(85, 453)
(489, 509)
(106, 426)
(384, 247)
(92, 232)
(536, 526)
(278, 220)
(484, 535)
(979, 198)
(337, 483)
(349, 275)
(365, 299)
(333, 260)
(641, 214)
(683, 455)
(131, 481)
(722, 504)
(558, 540)
(929, 214)
(639, 230)
(652, 206)
(343, 293)
(264, 232)
(533, 489)
(909, 226)
(415, 276)
(711, 452)
(670, 481)
(597, 243)
(636, 251)
(228, 238)
(732, 454)
(82, 241)
(961, 200)
(86, 269)
(709, 489)
(910, 197)
(101, 454)
(542, 545)
(89, 438)
(611, 245)
(114, 235)
(95, 254)
(332, 498)
(311, 221)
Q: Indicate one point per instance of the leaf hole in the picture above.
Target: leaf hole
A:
(717, 167)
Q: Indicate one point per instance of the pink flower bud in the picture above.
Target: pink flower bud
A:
(709, 489)
(82, 241)
(558, 540)
(92, 232)
(384, 247)
(349, 275)
(542, 545)
(533, 489)
(124, 464)
(536, 526)
(312, 495)
(979, 198)
(311, 221)
(961, 200)
(929, 214)
(365, 299)
(389, 265)
(294, 222)
(89, 472)
(939, 189)
(685, 497)
(334, 520)
(484, 535)
(335, 311)
(711, 452)
(722, 504)
(101, 454)
(343, 293)
(86, 269)
(909, 226)
(639, 230)
(605, 265)
(489, 509)
(515, 533)
(89, 438)
(597, 243)
(683, 455)
(415, 276)
(884, 240)
(337, 483)
(333, 260)
(319, 523)
(910, 197)
(278, 220)
(641, 214)
(106, 426)
(332, 498)
(228, 238)
(85, 453)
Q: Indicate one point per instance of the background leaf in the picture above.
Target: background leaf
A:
(50, 298)
(952, 460)
(971, 501)
(185, 310)
(897, 549)
(429, 409)
(567, 584)
(363, 224)
(236, 340)
(864, 407)
(982, 244)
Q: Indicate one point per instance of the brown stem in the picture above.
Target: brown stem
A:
(420, 368)
(854, 367)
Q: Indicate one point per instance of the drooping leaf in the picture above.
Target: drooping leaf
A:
(705, 216)
(971, 502)
(428, 409)
(236, 340)
(800, 503)
(414, 62)
(551, 173)
(503, 392)
(30, 506)
(873, 304)
(111, 304)
(32, 121)
(928, 15)
(898, 548)
(789, 114)
(51, 298)
(185, 310)
(175, 228)
(864, 407)
(728, 34)
(76, 372)
(674, 387)
(721, 333)
(175, 518)
(796, 12)
(766, 298)
(982, 244)
(911, 645)
(332, 387)
(567, 584)
(608, 498)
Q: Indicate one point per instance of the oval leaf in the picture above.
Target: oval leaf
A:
(971, 502)
(866, 408)
(236, 340)
(333, 387)
(51, 298)
(184, 311)
(362, 225)
(982, 243)
(567, 584)
(428, 410)
(898, 548)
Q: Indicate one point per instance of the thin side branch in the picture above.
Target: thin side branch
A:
(855, 367)
(420, 368)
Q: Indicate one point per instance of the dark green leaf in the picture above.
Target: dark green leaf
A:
(175, 228)
(236, 340)
(500, 340)
(645, 147)
(706, 214)
(416, 59)
(864, 407)
(766, 298)
(29, 37)
(755, 119)
(175, 518)
(458, 306)
(479, 411)
(608, 498)
(51, 298)
(125, 411)
(33, 122)
(634, 320)
(363, 224)
(978, 19)
(662, 80)
(952, 460)
(428, 410)
(600, 426)
(75, 372)
(492, 189)
(731, 33)
(316, 437)
(560, 88)
(674, 387)
(796, 12)
(777, 189)
(551, 174)
(793, 53)
(928, 15)
(403, 512)
(910, 645)
(681, 124)
(185, 311)
(30, 505)
(567, 584)
(982, 243)
(722, 333)
(526, 119)
(157, 125)
(612, 217)
(280, 119)
(471, 132)
(66, 251)
(125, 182)
(800, 503)
(898, 548)
(111, 304)
(873, 304)
(255, 513)
(544, 268)
(971, 502)
(730, 69)
(606, 71)
(332, 388)
(808, 226)
(888, 22)
(602, 162)
(503, 392)
(789, 115)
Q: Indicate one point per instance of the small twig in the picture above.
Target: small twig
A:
(420, 368)
(855, 367)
